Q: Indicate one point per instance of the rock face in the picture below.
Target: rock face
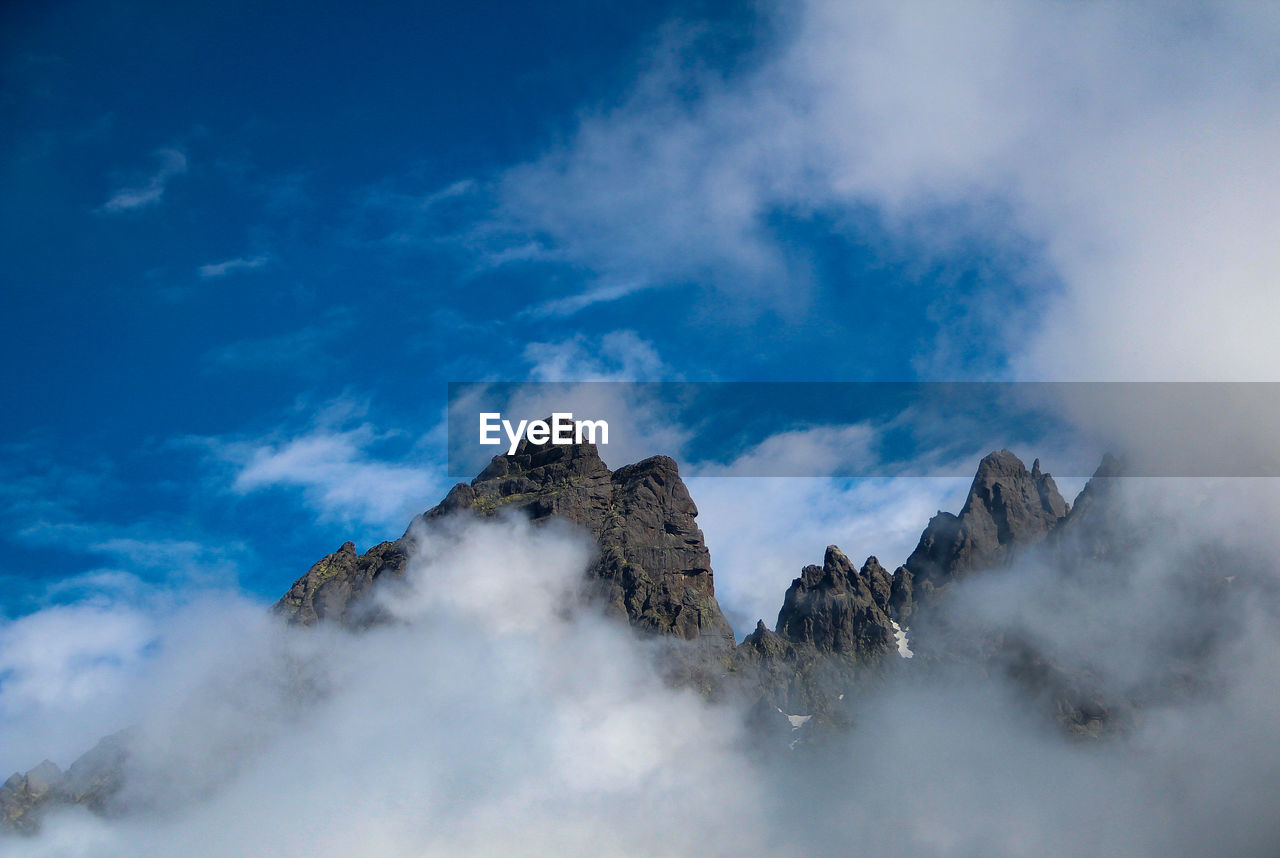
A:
(653, 566)
(838, 609)
(331, 588)
(1098, 526)
(92, 781)
(1007, 507)
(832, 631)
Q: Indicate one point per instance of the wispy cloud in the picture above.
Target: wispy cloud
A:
(36, 485)
(460, 188)
(73, 509)
(303, 350)
(572, 304)
(215, 270)
(159, 550)
(615, 356)
(1134, 151)
(389, 215)
(345, 470)
(150, 190)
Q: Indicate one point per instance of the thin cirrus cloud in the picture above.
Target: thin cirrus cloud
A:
(337, 471)
(218, 270)
(305, 351)
(150, 190)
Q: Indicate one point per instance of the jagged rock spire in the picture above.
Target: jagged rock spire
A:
(1007, 506)
(838, 609)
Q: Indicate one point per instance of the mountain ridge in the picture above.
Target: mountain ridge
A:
(837, 627)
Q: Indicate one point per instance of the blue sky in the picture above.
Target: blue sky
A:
(246, 246)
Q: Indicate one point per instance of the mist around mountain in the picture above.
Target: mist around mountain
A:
(540, 666)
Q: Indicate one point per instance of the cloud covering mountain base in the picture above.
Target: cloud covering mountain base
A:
(498, 716)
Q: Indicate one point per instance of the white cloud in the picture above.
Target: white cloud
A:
(490, 721)
(1132, 143)
(337, 469)
(620, 356)
(454, 190)
(215, 270)
(593, 374)
(173, 162)
(571, 304)
(813, 451)
(763, 530)
(66, 675)
(136, 548)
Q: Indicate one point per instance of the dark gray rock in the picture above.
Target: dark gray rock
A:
(1008, 507)
(329, 590)
(1099, 527)
(902, 594)
(653, 566)
(832, 635)
(837, 609)
(880, 583)
(93, 781)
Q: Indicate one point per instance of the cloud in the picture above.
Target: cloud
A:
(47, 503)
(508, 733)
(66, 671)
(490, 720)
(812, 451)
(216, 270)
(36, 486)
(615, 356)
(305, 350)
(173, 162)
(581, 370)
(336, 466)
(571, 304)
(146, 545)
(454, 190)
(1130, 146)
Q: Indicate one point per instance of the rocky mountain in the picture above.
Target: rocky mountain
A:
(653, 566)
(1007, 509)
(838, 627)
(1007, 506)
(91, 781)
(837, 608)
(833, 631)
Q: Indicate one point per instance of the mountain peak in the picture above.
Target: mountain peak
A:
(544, 462)
(653, 566)
(1007, 506)
(835, 608)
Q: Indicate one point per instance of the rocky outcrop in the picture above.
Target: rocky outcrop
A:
(837, 609)
(330, 589)
(832, 631)
(1008, 507)
(653, 566)
(1099, 526)
(92, 781)
(904, 592)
